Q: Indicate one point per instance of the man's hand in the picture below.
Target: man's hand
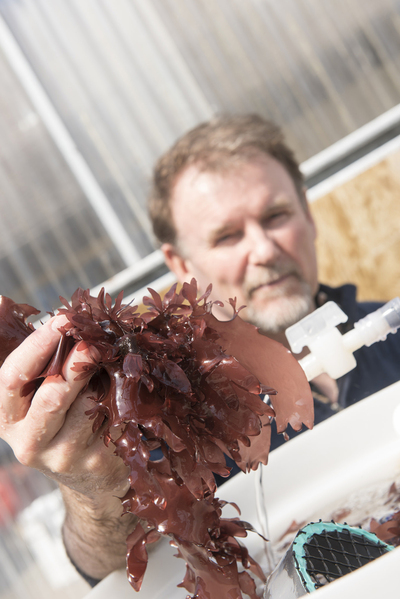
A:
(49, 430)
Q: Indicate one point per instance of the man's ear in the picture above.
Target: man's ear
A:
(176, 263)
(308, 213)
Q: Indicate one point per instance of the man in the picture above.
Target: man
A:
(240, 220)
(229, 208)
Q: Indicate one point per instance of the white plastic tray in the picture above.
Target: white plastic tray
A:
(352, 450)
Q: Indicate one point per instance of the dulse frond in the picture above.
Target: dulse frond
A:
(178, 379)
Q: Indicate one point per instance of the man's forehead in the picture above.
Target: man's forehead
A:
(198, 197)
(201, 180)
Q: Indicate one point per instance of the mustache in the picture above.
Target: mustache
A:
(265, 275)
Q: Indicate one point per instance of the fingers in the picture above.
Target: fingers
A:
(50, 430)
(25, 363)
(49, 406)
(29, 359)
(29, 424)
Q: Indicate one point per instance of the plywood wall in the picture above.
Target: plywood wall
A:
(359, 232)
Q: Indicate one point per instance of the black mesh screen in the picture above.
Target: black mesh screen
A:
(332, 554)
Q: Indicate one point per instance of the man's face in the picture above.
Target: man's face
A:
(245, 231)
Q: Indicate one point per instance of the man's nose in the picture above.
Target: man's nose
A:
(263, 249)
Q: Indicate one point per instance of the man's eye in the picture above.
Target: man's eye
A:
(276, 217)
(228, 238)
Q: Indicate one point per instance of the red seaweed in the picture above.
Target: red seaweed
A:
(179, 381)
(13, 326)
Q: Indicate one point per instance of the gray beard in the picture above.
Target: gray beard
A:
(281, 312)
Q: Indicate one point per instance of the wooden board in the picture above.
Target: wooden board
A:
(359, 232)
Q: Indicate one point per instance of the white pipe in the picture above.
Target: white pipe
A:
(351, 142)
(353, 170)
(159, 285)
(131, 274)
(331, 352)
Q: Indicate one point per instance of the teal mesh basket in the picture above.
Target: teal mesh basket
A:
(320, 553)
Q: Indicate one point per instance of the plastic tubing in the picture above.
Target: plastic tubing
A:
(374, 327)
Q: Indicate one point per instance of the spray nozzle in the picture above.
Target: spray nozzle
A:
(332, 352)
